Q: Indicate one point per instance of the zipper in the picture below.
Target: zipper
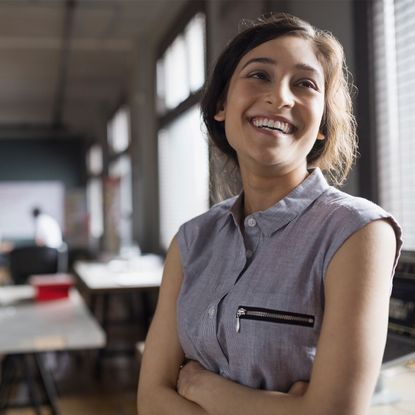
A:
(274, 316)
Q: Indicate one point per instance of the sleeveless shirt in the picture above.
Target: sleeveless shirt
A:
(251, 304)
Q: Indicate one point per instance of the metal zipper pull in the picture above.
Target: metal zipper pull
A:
(239, 313)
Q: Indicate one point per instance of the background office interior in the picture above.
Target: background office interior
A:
(98, 110)
(99, 120)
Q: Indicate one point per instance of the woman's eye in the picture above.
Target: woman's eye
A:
(259, 75)
(308, 84)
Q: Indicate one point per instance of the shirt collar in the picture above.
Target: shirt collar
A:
(284, 211)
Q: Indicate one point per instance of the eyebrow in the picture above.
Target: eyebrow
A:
(270, 61)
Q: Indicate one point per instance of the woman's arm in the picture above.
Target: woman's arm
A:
(350, 347)
(163, 354)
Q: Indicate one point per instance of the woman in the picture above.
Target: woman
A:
(282, 292)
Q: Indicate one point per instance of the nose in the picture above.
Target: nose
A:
(281, 95)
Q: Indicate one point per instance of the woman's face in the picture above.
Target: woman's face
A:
(274, 105)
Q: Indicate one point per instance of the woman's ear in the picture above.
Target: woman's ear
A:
(320, 136)
(220, 115)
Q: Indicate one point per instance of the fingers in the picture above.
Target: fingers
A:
(298, 388)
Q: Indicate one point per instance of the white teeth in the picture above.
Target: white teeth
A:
(268, 123)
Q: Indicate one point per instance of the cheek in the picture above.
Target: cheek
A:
(242, 94)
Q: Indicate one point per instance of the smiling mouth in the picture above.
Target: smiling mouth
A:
(273, 125)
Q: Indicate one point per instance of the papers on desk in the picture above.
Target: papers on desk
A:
(146, 262)
(145, 278)
(142, 272)
(15, 293)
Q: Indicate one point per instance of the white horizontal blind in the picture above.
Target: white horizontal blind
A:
(394, 41)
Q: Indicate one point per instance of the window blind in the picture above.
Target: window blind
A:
(393, 28)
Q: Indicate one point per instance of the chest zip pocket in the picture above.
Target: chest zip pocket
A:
(273, 316)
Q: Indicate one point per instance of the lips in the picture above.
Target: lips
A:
(273, 124)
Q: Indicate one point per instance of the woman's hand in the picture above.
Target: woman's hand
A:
(192, 372)
(189, 377)
(298, 388)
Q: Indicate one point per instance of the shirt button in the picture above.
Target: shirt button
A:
(251, 222)
(211, 312)
(248, 253)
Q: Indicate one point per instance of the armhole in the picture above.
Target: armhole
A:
(182, 244)
(353, 224)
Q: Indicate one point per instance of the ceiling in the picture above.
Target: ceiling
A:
(62, 62)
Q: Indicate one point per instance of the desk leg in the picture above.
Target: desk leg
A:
(94, 307)
(31, 384)
(147, 309)
(104, 323)
(10, 377)
(47, 384)
(6, 381)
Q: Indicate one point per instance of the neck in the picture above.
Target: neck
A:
(262, 192)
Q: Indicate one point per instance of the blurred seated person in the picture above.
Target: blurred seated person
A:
(47, 230)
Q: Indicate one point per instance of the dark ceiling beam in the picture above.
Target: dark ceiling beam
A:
(62, 79)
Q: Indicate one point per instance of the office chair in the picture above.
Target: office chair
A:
(31, 260)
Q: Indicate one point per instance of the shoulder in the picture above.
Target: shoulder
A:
(338, 207)
(335, 199)
(194, 234)
(340, 215)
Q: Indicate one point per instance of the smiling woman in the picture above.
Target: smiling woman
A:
(254, 313)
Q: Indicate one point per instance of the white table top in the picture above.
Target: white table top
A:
(397, 395)
(117, 276)
(28, 326)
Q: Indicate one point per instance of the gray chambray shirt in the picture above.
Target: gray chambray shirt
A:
(251, 306)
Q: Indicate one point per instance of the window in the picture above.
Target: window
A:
(394, 66)
(121, 168)
(118, 131)
(94, 191)
(119, 185)
(183, 155)
(183, 173)
(94, 160)
(94, 202)
(181, 69)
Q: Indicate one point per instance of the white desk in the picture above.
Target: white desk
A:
(397, 395)
(101, 281)
(28, 326)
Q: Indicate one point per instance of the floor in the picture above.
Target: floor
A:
(81, 393)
